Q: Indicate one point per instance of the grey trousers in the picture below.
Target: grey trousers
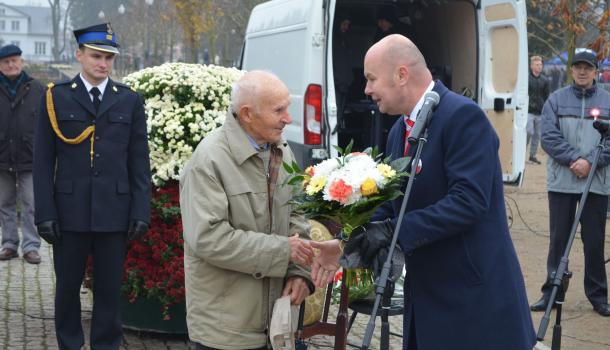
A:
(17, 187)
(533, 133)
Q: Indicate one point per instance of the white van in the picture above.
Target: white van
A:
(476, 47)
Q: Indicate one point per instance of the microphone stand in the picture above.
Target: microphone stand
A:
(560, 279)
(382, 280)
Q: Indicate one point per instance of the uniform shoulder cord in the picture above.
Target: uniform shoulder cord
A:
(89, 131)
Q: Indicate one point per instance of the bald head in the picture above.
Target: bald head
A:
(252, 87)
(396, 73)
(396, 50)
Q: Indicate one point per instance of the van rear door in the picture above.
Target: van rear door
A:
(503, 75)
(287, 38)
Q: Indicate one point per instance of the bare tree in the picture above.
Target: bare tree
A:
(59, 29)
(571, 23)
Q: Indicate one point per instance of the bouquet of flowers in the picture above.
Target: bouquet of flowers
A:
(347, 190)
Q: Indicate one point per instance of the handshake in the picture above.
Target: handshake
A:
(367, 247)
(50, 232)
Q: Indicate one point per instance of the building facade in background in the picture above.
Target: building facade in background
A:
(30, 28)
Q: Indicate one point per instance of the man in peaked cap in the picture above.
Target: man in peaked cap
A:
(92, 186)
(19, 101)
(568, 137)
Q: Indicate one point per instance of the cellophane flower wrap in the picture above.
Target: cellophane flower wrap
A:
(183, 103)
(347, 190)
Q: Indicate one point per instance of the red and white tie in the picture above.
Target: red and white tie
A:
(409, 126)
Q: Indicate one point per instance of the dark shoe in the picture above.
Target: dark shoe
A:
(32, 257)
(7, 254)
(602, 309)
(534, 160)
(540, 305)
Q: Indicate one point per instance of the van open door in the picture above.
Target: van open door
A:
(503, 79)
(287, 38)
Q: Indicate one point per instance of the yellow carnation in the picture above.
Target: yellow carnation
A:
(386, 171)
(369, 187)
(316, 184)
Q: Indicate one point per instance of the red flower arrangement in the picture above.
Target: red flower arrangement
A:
(154, 265)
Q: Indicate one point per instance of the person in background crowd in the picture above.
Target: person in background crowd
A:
(20, 97)
(342, 58)
(570, 140)
(386, 23)
(538, 90)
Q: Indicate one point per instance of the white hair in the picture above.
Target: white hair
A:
(247, 89)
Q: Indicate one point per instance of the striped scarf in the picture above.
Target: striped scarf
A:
(275, 161)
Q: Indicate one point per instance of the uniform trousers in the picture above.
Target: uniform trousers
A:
(17, 187)
(562, 209)
(70, 259)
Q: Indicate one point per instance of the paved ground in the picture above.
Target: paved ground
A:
(26, 291)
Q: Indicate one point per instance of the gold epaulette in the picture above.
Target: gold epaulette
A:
(89, 131)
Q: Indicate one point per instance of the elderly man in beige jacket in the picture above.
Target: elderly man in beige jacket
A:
(242, 243)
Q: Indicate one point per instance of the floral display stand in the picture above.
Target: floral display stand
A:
(143, 315)
(183, 103)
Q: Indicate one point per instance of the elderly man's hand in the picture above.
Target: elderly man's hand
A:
(581, 168)
(326, 263)
(301, 251)
(296, 287)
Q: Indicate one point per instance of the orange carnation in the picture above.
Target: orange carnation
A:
(340, 191)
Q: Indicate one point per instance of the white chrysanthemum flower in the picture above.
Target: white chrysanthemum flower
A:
(175, 128)
(325, 167)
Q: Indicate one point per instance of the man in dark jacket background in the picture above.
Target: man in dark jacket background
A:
(20, 97)
(538, 90)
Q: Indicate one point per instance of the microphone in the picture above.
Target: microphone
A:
(601, 125)
(431, 99)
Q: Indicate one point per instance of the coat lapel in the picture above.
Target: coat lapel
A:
(81, 95)
(110, 97)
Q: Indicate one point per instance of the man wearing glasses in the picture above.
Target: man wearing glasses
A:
(570, 140)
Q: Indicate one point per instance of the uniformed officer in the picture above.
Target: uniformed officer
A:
(91, 185)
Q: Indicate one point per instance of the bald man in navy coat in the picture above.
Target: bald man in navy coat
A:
(464, 288)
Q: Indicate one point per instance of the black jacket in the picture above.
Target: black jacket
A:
(538, 90)
(17, 121)
(105, 195)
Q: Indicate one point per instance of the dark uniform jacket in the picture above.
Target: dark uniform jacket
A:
(116, 189)
(17, 120)
(464, 288)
